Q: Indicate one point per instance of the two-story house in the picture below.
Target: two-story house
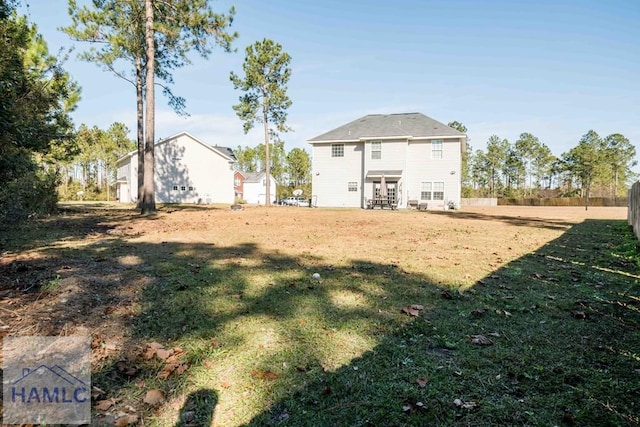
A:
(187, 170)
(252, 187)
(419, 158)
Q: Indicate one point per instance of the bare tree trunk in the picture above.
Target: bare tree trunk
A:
(149, 197)
(267, 160)
(140, 130)
(106, 173)
(615, 187)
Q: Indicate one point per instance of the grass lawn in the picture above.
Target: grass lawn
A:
(206, 316)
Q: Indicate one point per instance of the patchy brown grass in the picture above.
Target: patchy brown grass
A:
(234, 290)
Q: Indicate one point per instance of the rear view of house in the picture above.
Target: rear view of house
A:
(187, 170)
(416, 158)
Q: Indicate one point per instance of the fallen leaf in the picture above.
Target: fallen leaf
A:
(464, 405)
(163, 354)
(264, 375)
(154, 397)
(151, 349)
(181, 368)
(103, 405)
(410, 311)
(125, 368)
(126, 420)
(417, 307)
(422, 381)
(96, 392)
(480, 340)
(166, 371)
(224, 384)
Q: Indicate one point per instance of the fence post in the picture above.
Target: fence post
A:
(633, 208)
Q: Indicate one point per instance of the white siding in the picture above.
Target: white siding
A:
(331, 176)
(182, 162)
(254, 192)
(422, 168)
(128, 169)
(413, 159)
(200, 174)
(393, 157)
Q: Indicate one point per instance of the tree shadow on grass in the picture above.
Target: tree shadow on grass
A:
(561, 347)
(198, 409)
(258, 333)
(523, 221)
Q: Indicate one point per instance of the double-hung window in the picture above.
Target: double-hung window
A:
(352, 186)
(431, 190)
(337, 150)
(376, 150)
(425, 190)
(438, 191)
(436, 149)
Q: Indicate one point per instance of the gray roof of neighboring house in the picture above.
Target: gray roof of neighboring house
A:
(415, 125)
(253, 176)
(226, 151)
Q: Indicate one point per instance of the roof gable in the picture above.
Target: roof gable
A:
(225, 152)
(405, 125)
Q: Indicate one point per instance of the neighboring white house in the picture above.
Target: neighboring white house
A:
(252, 187)
(187, 170)
(419, 157)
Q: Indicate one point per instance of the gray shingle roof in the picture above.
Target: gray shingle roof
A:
(415, 125)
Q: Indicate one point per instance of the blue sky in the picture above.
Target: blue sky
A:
(552, 68)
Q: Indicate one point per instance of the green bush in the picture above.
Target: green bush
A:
(31, 194)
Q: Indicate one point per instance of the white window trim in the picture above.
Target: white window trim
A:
(376, 150)
(437, 149)
(337, 149)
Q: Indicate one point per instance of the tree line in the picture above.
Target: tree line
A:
(527, 167)
(292, 170)
(143, 42)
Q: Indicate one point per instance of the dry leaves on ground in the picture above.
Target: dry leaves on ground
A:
(413, 309)
(480, 340)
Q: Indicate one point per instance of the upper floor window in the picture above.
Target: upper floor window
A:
(337, 150)
(436, 149)
(376, 150)
(352, 186)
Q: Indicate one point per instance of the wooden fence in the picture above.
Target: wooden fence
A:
(565, 201)
(633, 208)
